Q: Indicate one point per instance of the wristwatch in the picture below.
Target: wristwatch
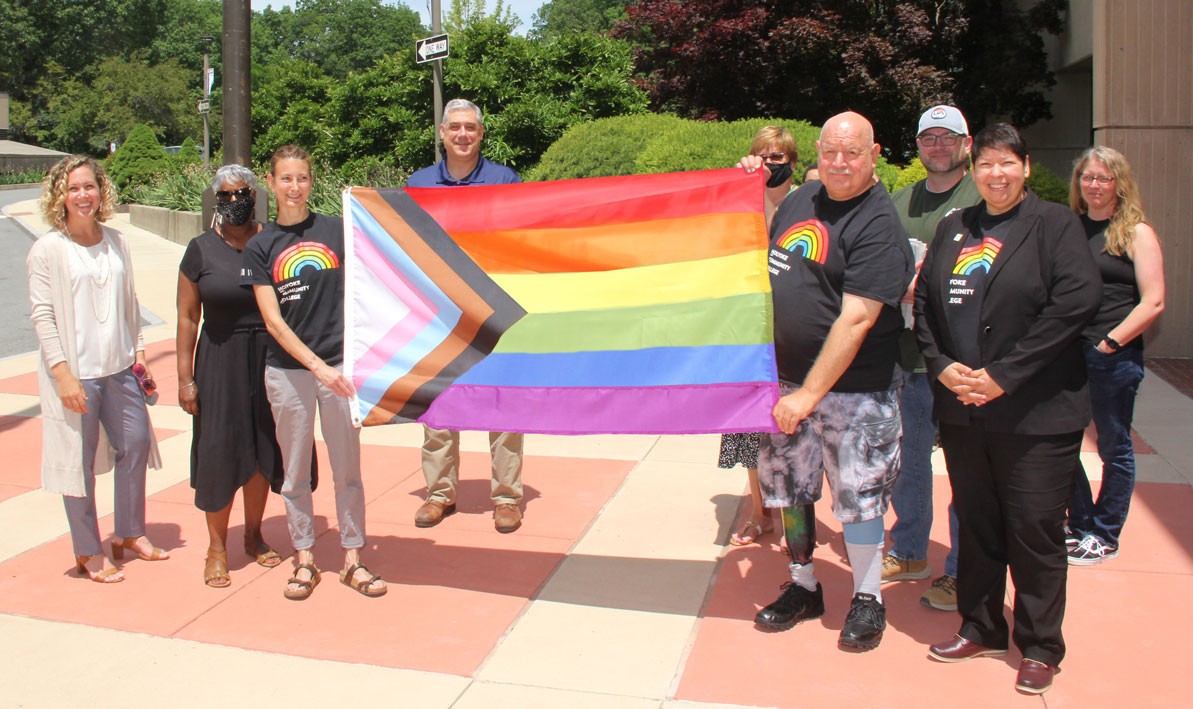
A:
(1112, 343)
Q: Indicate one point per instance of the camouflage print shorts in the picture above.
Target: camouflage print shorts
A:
(851, 438)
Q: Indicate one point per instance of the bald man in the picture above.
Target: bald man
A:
(839, 263)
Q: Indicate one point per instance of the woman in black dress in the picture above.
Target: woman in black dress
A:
(222, 381)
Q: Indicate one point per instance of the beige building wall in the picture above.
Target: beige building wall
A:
(1143, 107)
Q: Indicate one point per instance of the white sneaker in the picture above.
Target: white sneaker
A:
(1091, 551)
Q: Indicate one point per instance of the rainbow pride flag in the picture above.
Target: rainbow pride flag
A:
(646, 299)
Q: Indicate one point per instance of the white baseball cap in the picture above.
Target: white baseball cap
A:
(945, 117)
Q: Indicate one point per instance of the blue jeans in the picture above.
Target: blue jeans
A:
(1113, 383)
(912, 497)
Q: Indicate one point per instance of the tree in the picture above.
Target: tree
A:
(137, 160)
(82, 115)
(559, 17)
(887, 59)
(339, 36)
(462, 14)
(530, 91)
(69, 34)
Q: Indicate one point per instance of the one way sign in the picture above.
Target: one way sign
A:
(430, 48)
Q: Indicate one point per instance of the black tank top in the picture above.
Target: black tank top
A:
(1120, 292)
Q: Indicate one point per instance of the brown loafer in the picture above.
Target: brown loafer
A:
(507, 518)
(958, 649)
(1034, 677)
(432, 513)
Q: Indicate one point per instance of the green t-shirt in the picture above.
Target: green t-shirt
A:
(921, 211)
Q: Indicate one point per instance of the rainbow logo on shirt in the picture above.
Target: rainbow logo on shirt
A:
(978, 256)
(302, 256)
(808, 239)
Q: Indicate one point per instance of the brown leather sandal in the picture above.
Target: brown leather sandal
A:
(365, 588)
(103, 576)
(215, 569)
(262, 553)
(307, 587)
(130, 544)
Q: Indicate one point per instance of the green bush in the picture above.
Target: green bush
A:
(913, 173)
(21, 177)
(188, 152)
(176, 186)
(328, 184)
(605, 147)
(629, 145)
(137, 160)
(1048, 186)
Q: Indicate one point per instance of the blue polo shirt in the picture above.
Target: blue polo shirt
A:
(485, 173)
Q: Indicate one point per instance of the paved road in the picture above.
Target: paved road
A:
(16, 330)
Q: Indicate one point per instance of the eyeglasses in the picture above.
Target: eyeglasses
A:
(773, 157)
(948, 140)
(1103, 180)
(226, 196)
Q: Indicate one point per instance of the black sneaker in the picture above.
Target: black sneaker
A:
(864, 624)
(795, 604)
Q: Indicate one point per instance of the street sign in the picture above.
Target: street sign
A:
(430, 48)
(204, 105)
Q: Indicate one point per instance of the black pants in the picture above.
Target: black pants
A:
(1011, 492)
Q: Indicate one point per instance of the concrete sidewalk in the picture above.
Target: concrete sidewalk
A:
(618, 592)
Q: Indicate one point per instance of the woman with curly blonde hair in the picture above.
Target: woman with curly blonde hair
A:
(87, 320)
(1127, 251)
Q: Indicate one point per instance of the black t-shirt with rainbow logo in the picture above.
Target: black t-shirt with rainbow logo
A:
(304, 264)
(820, 250)
(967, 283)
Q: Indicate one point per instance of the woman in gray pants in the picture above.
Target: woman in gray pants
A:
(85, 313)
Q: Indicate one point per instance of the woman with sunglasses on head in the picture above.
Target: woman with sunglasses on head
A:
(776, 147)
(1127, 251)
(295, 267)
(221, 376)
(87, 320)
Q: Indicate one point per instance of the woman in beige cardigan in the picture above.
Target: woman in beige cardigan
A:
(85, 313)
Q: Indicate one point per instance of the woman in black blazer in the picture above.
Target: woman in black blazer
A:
(1004, 292)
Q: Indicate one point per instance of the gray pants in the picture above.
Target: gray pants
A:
(115, 402)
(441, 465)
(293, 395)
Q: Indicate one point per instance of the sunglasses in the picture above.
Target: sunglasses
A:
(234, 195)
(773, 157)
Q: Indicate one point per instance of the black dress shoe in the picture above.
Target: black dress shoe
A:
(864, 623)
(1034, 677)
(795, 604)
(958, 649)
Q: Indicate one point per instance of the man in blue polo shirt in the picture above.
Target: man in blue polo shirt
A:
(462, 130)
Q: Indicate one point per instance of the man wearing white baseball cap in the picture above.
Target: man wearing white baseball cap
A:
(944, 144)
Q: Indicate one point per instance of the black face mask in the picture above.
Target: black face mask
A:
(236, 213)
(780, 172)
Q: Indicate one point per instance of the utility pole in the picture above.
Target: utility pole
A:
(437, 73)
(207, 97)
(237, 80)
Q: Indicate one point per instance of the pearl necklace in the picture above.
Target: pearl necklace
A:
(99, 269)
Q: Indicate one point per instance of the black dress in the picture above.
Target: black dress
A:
(234, 430)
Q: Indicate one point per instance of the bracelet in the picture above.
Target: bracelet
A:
(191, 383)
(1112, 343)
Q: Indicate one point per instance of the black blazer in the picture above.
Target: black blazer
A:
(1040, 292)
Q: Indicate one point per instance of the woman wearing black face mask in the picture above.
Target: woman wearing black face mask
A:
(776, 147)
(222, 381)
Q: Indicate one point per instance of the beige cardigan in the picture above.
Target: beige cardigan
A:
(53, 317)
